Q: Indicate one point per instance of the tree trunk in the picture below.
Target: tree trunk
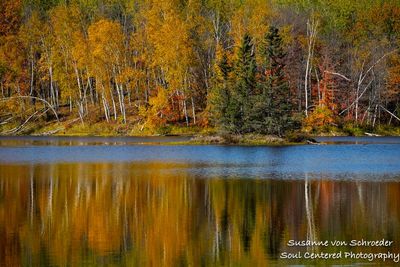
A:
(121, 101)
(106, 109)
(318, 87)
(113, 102)
(311, 34)
(52, 94)
(193, 111)
(185, 111)
(31, 91)
(70, 104)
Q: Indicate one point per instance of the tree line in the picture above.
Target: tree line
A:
(263, 66)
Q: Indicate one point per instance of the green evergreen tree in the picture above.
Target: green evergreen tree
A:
(272, 108)
(219, 96)
(243, 88)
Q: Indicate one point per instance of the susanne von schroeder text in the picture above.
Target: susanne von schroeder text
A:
(353, 243)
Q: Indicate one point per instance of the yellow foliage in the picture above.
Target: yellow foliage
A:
(158, 111)
(320, 117)
(106, 41)
(254, 18)
(172, 49)
(106, 44)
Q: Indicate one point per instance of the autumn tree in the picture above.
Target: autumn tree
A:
(171, 54)
(106, 45)
(69, 77)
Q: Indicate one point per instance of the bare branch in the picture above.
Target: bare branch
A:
(358, 98)
(376, 63)
(6, 120)
(338, 74)
(394, 116)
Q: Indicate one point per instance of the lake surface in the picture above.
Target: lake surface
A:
(128, 202)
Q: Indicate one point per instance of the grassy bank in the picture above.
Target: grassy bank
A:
(247, 139)
(73, 127)
(349, 129)
(68, 126)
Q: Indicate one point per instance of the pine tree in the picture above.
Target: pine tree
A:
(243, 85)
(272, 108)
(218, 99)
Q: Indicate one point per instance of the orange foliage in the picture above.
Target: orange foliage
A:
(323, 89)
(12, 58)
(10, 17)
(393, 79)
(325, 109)
(321, 116)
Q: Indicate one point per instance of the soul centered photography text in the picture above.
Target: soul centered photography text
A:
(314, 246)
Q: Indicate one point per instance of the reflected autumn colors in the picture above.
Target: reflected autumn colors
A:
(159, 214)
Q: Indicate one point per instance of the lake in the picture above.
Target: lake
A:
(94, 201)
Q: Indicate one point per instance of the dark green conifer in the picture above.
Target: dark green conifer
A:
(219, 97)
(243, 88)
(272, 108)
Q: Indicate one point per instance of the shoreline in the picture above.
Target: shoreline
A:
(210, 139)
(198, 135)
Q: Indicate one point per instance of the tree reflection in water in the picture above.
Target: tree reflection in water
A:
(162, 214)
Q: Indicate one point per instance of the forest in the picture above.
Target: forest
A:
(232, 66)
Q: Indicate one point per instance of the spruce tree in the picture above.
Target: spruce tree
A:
(219, 96)
(272, 108)
(243, 88)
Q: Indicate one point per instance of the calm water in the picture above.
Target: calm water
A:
(118, 202)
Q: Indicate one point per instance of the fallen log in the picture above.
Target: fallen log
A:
(52, 131)
(20, 127)
(36, 98)
(312, 141)
(371, 134)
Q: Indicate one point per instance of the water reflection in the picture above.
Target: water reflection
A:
(359, 139)
(21, 141)
(139, 214)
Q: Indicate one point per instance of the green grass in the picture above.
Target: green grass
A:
(351, 129)
(388, 130)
